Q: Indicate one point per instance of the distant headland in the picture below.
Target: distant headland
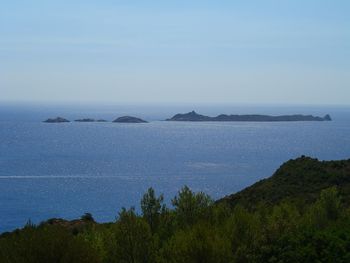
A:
(193, 116)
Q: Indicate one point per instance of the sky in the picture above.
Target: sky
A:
(183, 51)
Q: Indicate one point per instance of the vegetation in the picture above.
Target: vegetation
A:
(299, 180)
(300, 214)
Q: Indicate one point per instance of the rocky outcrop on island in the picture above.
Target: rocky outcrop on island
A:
(56, 120)
(90, 120)
(193, 116)
(327, 117)
(129, 119)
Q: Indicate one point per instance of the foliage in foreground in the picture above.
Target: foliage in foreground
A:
(194, 230)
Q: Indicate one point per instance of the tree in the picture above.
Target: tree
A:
(190, 206)
(242, 231)
(330, 203)
(327, 208)
(200, 243)
(133, 239)
(87, 217)
(151, 207)
(46, 244)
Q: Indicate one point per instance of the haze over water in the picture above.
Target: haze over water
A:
(65, 170)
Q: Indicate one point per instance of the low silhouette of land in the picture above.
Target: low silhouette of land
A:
(56, 120)
(193, 116)
(129, 119)
(90, 120)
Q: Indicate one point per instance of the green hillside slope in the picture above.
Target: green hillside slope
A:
(299, 180)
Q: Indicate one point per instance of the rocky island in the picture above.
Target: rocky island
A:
(193, 116)
(56, 120)
(90, 120)
(129, 119)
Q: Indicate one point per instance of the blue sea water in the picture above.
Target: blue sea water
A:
(65, 170)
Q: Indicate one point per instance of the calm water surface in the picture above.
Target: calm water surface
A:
(65, 170)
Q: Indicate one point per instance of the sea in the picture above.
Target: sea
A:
(65, 170)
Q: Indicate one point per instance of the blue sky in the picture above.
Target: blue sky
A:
(290, 51)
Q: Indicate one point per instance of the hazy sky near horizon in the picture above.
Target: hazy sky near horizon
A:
(272, 51)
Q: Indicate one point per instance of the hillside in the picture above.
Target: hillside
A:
(300, 179)
(194, 230)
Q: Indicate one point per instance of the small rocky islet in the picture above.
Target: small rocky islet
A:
(90, 120)
(129, 119)
(56, 120)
